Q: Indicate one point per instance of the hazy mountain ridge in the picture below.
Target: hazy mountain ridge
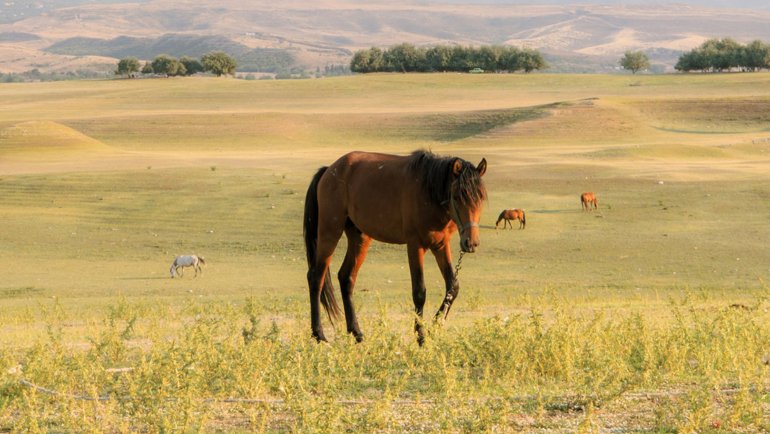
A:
(325, 32)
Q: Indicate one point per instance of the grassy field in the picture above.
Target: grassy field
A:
(647, 315)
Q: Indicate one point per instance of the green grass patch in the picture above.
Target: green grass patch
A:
(709, 116)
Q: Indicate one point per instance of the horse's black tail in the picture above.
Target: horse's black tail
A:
(310, 232)
(523, 219)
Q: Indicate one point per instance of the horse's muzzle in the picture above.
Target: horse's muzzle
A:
(469, 236)
(467, 245)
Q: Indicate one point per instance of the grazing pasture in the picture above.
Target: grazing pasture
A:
(647, 314)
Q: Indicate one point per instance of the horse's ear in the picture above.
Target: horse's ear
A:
(482, 167)
(457, 167)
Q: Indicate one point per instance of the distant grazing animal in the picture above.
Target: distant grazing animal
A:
(512, 214)
(182, 261)
(419, 200)
(587, 199)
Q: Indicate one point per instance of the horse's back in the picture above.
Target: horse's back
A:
(366, 168)
(185, 260)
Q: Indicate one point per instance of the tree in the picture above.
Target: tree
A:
(756, 56)
(530, 60)
(167, 65)
(362, 61)
(509, 60)
(192, 66)
(635, 61)
(219, 63)
(128, 66)
(376, 59)
(461, 59)
(694, 60)
(405, 58)
(487, 58)
(439, 58)
(722, 54)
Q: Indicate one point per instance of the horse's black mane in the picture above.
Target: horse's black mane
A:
(436, 177)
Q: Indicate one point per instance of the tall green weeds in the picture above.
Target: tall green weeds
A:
(228, 367)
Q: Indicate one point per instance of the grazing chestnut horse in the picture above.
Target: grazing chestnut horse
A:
(419, 200)
(512, 214)
(588, 198)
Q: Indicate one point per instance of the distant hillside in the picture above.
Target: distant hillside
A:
(17, 10)
(735, 4)
(311, 34)
(249, 59)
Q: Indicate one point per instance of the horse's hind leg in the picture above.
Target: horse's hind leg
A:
(319, 279)
(358, 245)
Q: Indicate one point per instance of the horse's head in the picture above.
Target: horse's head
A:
(500, 218)
(465, 202)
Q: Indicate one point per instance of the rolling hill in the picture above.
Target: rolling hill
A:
(586, 38)
(35, 138)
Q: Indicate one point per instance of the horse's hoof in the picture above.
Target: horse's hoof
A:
(421, 341)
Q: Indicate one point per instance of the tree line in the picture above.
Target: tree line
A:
(719, 55)
(715, 55)
(215, 62)
(445, 58)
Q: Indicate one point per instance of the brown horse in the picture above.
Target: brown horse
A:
(512, 214)
(419, 200)
(587, 199)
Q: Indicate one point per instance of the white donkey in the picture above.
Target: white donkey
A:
(183, 261)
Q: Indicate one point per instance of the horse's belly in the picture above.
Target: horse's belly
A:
(386, 238)
(383, 229)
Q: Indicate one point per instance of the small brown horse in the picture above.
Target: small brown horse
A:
(419, 200)
(512, 214)
(587, 199)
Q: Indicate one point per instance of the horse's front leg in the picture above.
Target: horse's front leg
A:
(416, 255)
(444, 261)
